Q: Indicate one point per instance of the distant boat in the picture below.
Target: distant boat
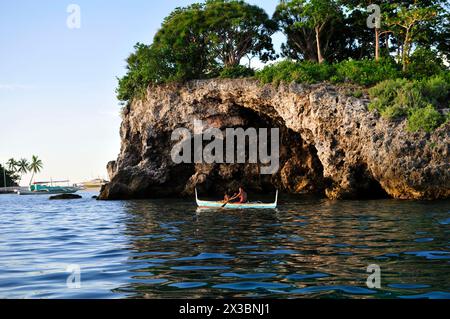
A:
(46, 188)
(95, 183)
(217, 204)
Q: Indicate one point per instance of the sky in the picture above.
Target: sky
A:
(57, 84)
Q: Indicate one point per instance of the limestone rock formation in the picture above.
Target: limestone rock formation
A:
(330, 144)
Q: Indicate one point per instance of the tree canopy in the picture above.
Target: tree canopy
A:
(309, 26)
(235, 29)
(197, 42)
(404, 26)
(210, 39)
(10, 176)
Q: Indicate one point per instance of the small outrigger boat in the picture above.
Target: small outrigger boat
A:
(47, 188)
(95, 183)
(220, 204)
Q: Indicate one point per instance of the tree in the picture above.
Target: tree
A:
(196, 42)
(178, 53)
(320, 13)
(443, 36)
(376, 25)
(365, 15)
(181, 45)
(309, 25)
(22, 166)
(300, 38)
(12, 165)
(35, 166)
(144, 66)
(435, 33)
(11, 177)
(222, 31)
(235, 29)
(354, 37)
(408, 20)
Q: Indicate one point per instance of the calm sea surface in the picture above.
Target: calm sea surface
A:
(166, 249)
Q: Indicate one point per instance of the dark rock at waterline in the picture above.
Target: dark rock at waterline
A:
(94, 197)
(111, 168)
(65, 196)
(331, 144)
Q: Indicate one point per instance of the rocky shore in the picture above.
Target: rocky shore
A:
(330, 144)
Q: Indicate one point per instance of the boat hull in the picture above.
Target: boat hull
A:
(203, 204)
(68, 190)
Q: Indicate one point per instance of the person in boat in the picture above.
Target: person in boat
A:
(226, 198)
(241, 196)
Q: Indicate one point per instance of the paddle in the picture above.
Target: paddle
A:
(225, 204)
(228, 201)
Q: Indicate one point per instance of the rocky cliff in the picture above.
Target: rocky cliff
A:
(330, 144)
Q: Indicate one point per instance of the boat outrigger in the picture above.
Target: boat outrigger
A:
(221, 204)
(46, 188)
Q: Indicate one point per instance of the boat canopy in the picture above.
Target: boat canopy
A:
(49, 182)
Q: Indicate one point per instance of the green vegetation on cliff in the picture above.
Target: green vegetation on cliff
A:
(418, 100)
(363, 72)
(420, 96)
(326, 40)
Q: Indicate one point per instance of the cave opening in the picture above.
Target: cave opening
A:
(369, 188)
(300, 170)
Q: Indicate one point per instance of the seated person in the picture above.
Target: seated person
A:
(241, 196)
(226, 198)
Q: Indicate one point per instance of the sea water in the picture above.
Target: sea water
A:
(308, 248)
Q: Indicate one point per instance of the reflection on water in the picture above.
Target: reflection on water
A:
(166, 249)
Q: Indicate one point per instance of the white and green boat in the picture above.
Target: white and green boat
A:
(203, 204)
(48, 188)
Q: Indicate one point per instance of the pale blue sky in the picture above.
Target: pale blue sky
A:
(57, 85)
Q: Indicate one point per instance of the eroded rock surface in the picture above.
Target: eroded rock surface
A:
(331, 144)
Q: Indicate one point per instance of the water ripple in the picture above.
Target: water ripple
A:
(249, 276)
(345, 289)
(429, 295)
(306, 276)
(430, 254)
(308, 248)
(408, 286)
(205, 256)
(250, 285)
(188, 285)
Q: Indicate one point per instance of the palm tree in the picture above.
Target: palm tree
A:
(35, 166)
(22, 166)
(12, 165)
